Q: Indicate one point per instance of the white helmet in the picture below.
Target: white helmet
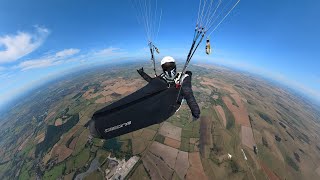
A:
(167, 59)
(169, 67)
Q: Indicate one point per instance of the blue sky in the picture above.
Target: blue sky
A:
(42, 39)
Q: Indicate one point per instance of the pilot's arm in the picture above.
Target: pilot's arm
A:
(188, 95)
(144, 75)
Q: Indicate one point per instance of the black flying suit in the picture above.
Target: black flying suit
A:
(152, 104)
(186, 92)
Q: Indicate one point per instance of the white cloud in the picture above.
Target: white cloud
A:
(18, 78)
(67, 52)
(21, 44)
(69, 56)
(48, 59)
(38, 63)
(108, 52)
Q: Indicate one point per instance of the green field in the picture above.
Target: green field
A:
(140, 173)
(268, 158)
(160, 138)
(229, 116)
(55, 172)
(25, 170)
(95, 175)
(81, 142)
(292, 163)
(78, 161)
(185, 144)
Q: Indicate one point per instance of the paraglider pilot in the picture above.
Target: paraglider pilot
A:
(171, 76)
(152, 104)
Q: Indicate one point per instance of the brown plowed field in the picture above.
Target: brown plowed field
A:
(148, 134)
(194, 144)
(49, 116)
(87, 93)
(151, 169)
(269, 172)
(182, 164)
(172, 142)
(194, 140)
(103, 100)
(247, 137)
(40, 138)
(73, 143)
(62, 152)
(171, 131)
(240, 113)
(138, 145)
(196, 170)
(163, 169)
(211, 82)
(167, 153)
(106, 93)
(58, 122)
(124, 89)
(24, 143)
(220, 111)
(70, 134)
(318, 171)
(205, 136)
(137, 133)
(273, 146)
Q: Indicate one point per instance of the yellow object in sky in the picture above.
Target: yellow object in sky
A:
(208, 47)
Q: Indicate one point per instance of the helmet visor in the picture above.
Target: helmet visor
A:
(168, 66)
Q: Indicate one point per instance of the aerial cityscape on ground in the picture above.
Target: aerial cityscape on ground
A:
(249, 129)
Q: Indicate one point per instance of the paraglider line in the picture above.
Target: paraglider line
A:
(198, 13)
(207, 12)
(213, 14)
(159, 24)
(201, 17)
(224, 17)
(196, 47)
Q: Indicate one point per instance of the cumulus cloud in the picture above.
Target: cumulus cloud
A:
(21, 44)
(67, 52)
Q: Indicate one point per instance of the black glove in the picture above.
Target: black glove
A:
(189, 73)
(194, 118)
(140, 70)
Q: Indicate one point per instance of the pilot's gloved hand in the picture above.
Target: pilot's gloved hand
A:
(194, 118)
(140, 70)
(189, 73)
